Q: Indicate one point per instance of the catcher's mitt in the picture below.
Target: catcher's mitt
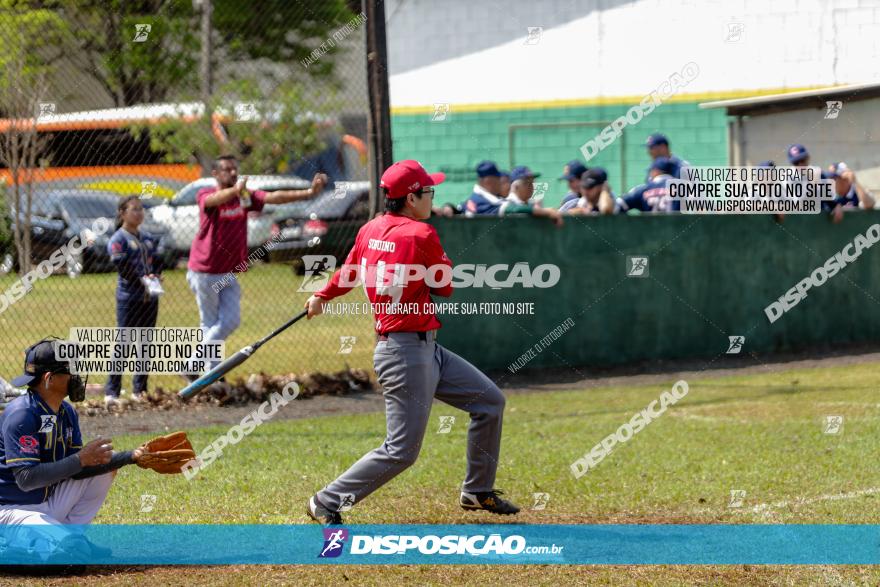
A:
(167, 454)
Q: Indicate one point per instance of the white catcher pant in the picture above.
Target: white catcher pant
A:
(75, 501)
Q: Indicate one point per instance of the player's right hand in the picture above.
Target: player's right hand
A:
(315, 306)
(97, 452)
(241, 186)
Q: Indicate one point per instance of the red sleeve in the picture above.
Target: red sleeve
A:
(435, 255)
(258, 200)
(350, 268)
(201, 196)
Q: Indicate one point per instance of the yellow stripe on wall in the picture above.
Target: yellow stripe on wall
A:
(603, 101)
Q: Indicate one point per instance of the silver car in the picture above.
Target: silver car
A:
(180, 216)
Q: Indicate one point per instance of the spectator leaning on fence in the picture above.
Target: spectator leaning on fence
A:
(136, 257)
(504, 184)
(595, 196)
(658, 146)
(522, 186)
(485, 199)
(572, 173)
(798, 156)
(652, 196)
(848, 192)
(220, 246)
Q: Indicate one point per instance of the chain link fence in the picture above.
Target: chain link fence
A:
(100, 102)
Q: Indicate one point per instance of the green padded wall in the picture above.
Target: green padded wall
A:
(710, 277)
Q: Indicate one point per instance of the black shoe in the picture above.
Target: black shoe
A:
(322, 515)
(489, 501)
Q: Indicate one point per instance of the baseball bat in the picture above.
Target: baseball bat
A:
(235, 360)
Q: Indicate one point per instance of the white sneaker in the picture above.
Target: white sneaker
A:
(112, 402)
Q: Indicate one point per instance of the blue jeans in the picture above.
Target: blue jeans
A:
(219, 300)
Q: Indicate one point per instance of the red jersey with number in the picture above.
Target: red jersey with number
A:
(388, 256)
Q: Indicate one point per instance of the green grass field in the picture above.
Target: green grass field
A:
(269, 298)
(759, 433)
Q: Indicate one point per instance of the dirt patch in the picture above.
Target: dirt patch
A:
(350, 391)
(337, 395)
(378, 575)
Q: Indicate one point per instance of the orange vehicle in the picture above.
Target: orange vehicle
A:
(96, 150)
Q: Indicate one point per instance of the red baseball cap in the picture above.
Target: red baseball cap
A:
(405, 177)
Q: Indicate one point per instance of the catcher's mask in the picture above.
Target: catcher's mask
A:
(39, 358)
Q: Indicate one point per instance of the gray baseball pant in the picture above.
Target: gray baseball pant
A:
(41, 526)
(413, 372)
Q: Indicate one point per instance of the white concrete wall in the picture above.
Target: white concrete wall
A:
(851, 137)
(475, 51)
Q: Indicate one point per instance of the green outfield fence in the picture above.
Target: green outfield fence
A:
(708, 278)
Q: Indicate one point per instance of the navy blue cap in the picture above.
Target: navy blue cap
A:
(487, 169)
(664, 164)
(502, 173)
(656, 139)
(797, 153)
(767, 163)
(39, 358)
(522, 172)
(593, 177)
(573, 170)
(836, 170)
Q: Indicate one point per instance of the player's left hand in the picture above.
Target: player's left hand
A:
(837, 214)
(318, 182)
(166, 454)
(315, 307)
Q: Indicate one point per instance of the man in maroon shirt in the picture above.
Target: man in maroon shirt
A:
(219, 249)
(401, 263)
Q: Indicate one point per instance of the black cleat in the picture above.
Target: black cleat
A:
(489, 501)
(322, 515)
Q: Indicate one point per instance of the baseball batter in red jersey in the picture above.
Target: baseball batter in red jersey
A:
(411, 367)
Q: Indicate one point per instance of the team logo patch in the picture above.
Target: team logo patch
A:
(29, 445)
(334, 540)
(232, 212)
(47, 424)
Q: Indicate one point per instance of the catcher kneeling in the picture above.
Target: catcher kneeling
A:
(48, 478)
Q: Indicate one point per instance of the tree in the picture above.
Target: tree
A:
(281, 31)
(30, 40)
(140, 52)
(164, 65)
(262, 131)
